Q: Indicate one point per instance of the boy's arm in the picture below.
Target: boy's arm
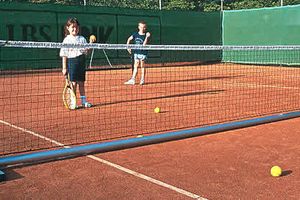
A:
(128, 42)
(64, 65)
(147, 38)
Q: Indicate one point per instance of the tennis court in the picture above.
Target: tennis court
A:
(227, 85)
(189, 96)
(228, 165)
(191, 92)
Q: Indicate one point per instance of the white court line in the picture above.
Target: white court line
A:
(32, 133)
(147, 178)
(123, 169)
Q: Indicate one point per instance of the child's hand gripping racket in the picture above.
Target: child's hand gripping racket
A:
(69, 96)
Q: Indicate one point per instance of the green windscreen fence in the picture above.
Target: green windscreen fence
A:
(45, 23)
(262, 27)
(254, 27)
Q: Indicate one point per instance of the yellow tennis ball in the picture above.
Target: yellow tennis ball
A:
(157, 110)
(276, 171)
(139, 136)
(92, 38)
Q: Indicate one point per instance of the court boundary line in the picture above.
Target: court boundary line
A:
(116, 166)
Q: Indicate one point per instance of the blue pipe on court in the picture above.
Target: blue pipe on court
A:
(76, 151)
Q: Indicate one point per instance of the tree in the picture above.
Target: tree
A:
(179, 5)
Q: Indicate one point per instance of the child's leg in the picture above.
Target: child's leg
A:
(131, 81)
(82, 92)
(81, 88)
(135, 70)
(74, 84)
(82, 95)
(143, 72)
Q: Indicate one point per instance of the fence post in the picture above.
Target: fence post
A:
(222, 6)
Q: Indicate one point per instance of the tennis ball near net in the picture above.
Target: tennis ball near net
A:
(276, 171)
(157, 110)
(92, 38)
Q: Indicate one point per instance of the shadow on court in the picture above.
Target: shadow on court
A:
(286, 172)
(209, 92)
(194, 79)
(11, 175)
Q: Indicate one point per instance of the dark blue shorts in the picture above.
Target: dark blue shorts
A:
(76, 68)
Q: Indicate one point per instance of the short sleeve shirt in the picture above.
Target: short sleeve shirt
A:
(73, 52)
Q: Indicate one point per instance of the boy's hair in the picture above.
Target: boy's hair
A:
(68, 23)
(142, 22)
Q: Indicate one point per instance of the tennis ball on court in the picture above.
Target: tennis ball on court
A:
(92, 38)
(157, 110)
(276, 171)
(139, 136)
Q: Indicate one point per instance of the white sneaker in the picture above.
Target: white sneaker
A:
(87, 105)
(142, 82)
(130, 82)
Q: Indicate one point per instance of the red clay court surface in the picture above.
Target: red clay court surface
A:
(189, 96)
(228, 165)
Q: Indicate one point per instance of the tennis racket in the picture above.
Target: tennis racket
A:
(69, 96)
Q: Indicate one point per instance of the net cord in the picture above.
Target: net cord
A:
(57, 45)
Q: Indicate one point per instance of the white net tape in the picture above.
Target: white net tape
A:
(57, 45)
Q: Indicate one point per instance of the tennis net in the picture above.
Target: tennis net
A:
(192, 85)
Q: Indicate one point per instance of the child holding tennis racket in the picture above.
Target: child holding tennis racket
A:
(141, 38)
(73, 59)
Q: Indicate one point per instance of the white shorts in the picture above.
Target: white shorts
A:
(140, 57)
